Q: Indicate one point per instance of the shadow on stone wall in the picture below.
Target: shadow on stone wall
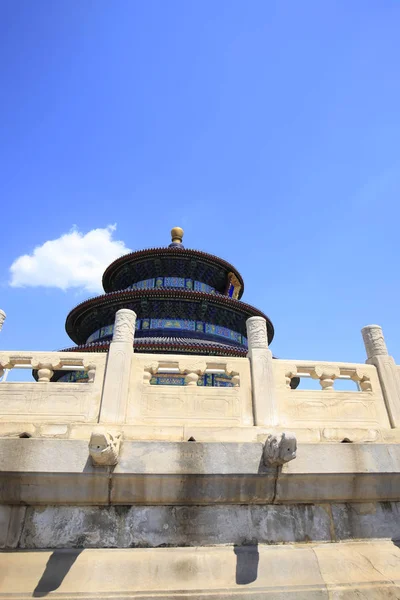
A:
(56, 569)
(247, 558)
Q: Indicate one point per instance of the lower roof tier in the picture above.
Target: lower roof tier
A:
(174, 345)
(89, 316)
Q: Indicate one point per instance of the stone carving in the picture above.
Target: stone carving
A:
(104, 448)
(326, 375)
(5, 361)
(193, 370)
(90, 368)
(257, 333)
(124, 326)
(191, 378)
(2, 318)
(362, 379)
(289, 374)
(374, 341)
(149, 369)
(230, 370)
(279, 449)
(193, 366)
(45, 366)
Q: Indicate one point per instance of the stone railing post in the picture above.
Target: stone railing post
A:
(262, 376)
(388, 372)
(2, 318)
(118, 368)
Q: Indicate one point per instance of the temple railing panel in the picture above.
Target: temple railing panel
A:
(44, 400)
(186, 396)
(327, 406)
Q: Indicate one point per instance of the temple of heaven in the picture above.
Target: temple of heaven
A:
(186, 301)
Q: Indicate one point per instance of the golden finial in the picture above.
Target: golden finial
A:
(177, 235)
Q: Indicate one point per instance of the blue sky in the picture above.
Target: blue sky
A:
(268, 130)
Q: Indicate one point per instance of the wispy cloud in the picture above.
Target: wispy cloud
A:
(74, 260)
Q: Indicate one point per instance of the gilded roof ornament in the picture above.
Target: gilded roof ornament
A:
(176, 237)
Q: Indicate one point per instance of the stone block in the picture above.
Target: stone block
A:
(189, 458)
(191, 473)
(369, 520)
(306, 572)
(173, 573)
(17, 429)
(54, 430)
(11, 524)
(341, 473)
(152, 526)
(47, 471)
(360, 570)
(352, 434)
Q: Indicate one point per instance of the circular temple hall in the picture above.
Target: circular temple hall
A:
(186, 302)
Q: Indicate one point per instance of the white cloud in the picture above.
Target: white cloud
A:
(74, 260)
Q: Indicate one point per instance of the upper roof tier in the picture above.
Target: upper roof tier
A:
(173, 261)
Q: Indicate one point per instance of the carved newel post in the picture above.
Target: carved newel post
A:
(388, 372)
(2, 318)
(116, 382)
(262, 378)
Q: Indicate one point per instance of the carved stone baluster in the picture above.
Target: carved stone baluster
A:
(326, 375)
(363, 380)
(45, 373)
(365, 385)
(146, 377)
(4, 363)
(193, 370)
(236, 380)
(90, 368)
(149, 370)
(45, 366)
(289, 374)
(235, 377)
(191, 378)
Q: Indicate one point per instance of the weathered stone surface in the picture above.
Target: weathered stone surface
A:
(191, 473)
(59, 471)
(360, 570)
(370, 520)
(11, 523)
(152, 526)
(188, 458)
